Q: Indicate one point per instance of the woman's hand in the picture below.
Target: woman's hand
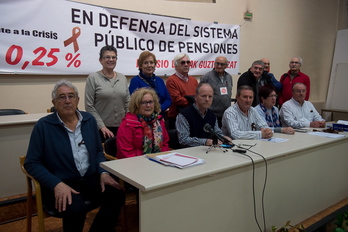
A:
(106, 132)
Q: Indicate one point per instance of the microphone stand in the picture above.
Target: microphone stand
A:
(215, 142)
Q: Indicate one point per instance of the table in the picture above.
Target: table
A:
(15, 131)
(306, 174)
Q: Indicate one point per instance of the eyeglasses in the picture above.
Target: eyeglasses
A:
(110, 57)
(222, 64)
(62, 98)
(266, 63)
(294, 62)
(183, 62)
(145, 103)
(274, 95)
(300, 91)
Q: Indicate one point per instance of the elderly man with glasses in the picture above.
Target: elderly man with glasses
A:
(64, 155)
(181, 87)
(298, 113)
(221, 82)
(294, 75)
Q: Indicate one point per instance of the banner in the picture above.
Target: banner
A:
(63, 37)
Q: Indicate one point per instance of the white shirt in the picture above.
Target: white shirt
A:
(297, 116)
(237, 125)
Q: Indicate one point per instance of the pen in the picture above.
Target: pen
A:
(154, 160)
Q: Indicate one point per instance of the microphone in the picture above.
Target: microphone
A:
(208, 128)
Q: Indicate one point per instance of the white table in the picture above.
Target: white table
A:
(306, 174)
(15, 131)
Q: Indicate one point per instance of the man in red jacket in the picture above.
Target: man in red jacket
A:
(294, 75)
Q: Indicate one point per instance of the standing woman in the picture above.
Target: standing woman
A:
(146, 78)
(142, 130)
(106, 94)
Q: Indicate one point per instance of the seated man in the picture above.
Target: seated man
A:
(191, 121)
(297, 112)
(64, 154)
(242, 121)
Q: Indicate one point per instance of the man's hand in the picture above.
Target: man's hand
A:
(266, 133)
(317, 124)
(288, 130)
(62, 194)
(209, 142)
(229, 140)
(106, 179)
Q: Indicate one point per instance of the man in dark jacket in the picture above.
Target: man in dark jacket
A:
(64, 155)
(255, 78)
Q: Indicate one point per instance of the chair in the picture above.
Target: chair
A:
(40, 212)
(173, 139)
(11, 112)
(110, 148)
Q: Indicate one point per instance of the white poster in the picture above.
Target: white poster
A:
(63, 37)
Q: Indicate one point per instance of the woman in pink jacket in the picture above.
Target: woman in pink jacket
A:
(142, 130)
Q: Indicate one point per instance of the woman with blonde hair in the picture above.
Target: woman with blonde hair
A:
(142, 130)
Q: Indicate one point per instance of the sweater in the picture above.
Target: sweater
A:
(50, 158)
(130, 137)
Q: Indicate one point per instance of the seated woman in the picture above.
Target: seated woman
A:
(269, 112)
(142, 130)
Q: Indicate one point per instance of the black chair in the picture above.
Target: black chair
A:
(173, 139)
(110, 146)
(11, 112)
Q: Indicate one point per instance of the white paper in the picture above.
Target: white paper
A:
(327, 135)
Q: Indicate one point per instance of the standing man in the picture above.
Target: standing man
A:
(266, 70)
(221, 82)
(294, 75)
(242, 121)
(255, 78)
(298, 113)
(191, 120)
(180, 86)
(64, 155)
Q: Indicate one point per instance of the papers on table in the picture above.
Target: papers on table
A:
(327, 135)
(177, 160)
(275, 140)
(342, 122)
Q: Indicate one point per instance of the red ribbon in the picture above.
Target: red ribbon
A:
(73, 39)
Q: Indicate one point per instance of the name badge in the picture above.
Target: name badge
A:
(223, 90)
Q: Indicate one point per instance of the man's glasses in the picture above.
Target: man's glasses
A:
(220, 64)
(266, 63)
(183, 62)
(300, 91)
(62, 98)
(110, 57)
(145, 103)
(294, 62)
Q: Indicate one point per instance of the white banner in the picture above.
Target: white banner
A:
(63, 37)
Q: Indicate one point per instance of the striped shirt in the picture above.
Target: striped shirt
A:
(238, 125)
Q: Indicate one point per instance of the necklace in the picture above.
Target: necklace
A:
(113, 74)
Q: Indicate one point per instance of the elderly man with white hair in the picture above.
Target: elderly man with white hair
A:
(180, 86)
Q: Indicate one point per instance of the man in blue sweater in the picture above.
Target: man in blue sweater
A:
(191, 120)
(64, 154)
